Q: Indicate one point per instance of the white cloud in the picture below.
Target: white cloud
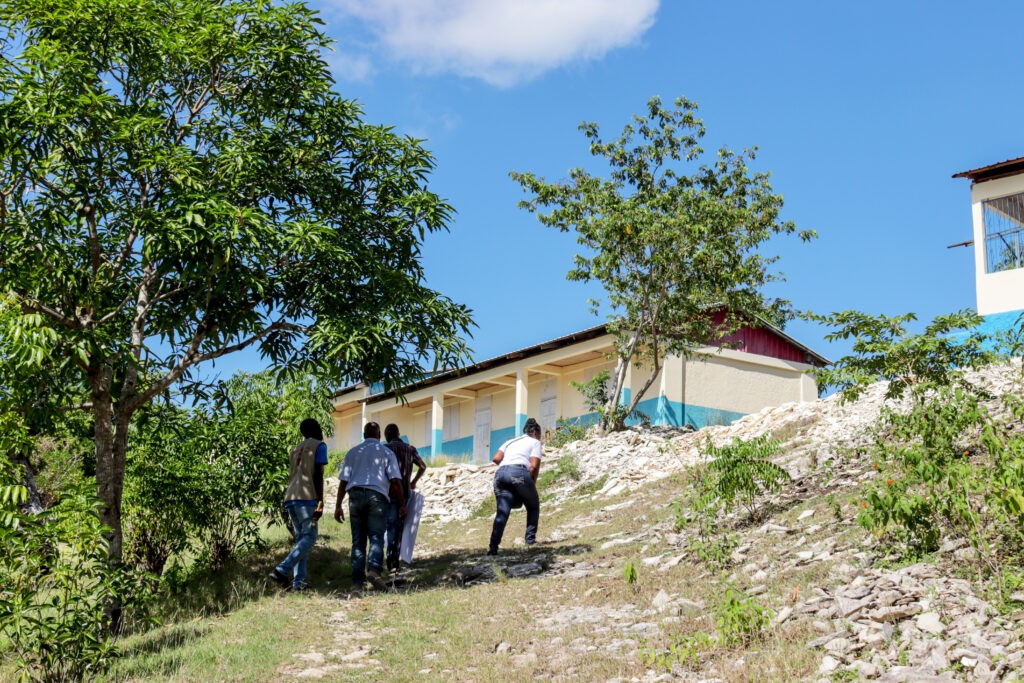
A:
(347, 67)
(501, 41)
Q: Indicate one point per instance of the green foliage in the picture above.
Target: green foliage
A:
(209, 478)
(180, 182)
(594, 486)
(566, 467)
(630, 573)
(55, 585)
(883, 349)
(684, 651)
(741, 472)
(566, 431)
(597, 398)
(948, 467)
(739, 619)
(677, 246)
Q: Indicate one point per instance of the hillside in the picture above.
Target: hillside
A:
(615, 590)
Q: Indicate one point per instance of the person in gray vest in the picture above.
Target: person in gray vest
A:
(372, 480)
(304, 501)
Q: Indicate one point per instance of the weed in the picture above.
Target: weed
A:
(740, 619)
(684, 651)
(630, 572)
(591, 487)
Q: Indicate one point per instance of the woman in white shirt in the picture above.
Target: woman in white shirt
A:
(515, 483)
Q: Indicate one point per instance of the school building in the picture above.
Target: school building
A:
(997, 202)
(464, 414)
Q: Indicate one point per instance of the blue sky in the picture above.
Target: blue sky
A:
(861, 111)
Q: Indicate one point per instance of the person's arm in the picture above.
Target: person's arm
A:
(498, 457)
(534, 468)
(422, 467)
(338, 514)
(318, 486)
(397, 496)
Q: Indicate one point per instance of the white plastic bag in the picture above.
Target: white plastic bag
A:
(414, 510)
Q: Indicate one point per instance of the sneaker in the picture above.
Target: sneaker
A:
(376, 581)
(298, 587)
(492, 551)
(278, 578)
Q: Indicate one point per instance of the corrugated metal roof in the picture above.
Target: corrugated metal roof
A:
(1001, 169)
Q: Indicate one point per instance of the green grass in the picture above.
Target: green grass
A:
(233, 626)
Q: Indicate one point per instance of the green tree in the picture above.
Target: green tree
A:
(178, 182)
(675, 245)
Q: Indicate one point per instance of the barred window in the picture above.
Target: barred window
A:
(1004, 233)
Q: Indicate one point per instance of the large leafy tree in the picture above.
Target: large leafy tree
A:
(179, 181)
(675, 243)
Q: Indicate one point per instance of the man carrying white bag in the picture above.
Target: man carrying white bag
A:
(398, 529)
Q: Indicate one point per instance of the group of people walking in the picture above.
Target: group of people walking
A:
(377, 478)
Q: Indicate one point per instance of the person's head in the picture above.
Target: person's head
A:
(391, 432)
(310, 429)
(371, 431)
(532, 428)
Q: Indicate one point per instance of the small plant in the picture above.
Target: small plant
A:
(591, 487)
(566, 467)
(630, 572)
(566, 431)
(742, 471)
(739, 619)
(684, 651)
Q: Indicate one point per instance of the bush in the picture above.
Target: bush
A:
(55, 584)
(947, 466)
(566, 431)
(739, 619)
(741, 472)
(209, 478)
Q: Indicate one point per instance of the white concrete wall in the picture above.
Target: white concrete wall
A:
(1003, 291)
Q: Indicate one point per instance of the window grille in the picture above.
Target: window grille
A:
(1004, 233)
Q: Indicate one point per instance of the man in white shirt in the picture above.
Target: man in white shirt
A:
(371, 478)
(515, 483)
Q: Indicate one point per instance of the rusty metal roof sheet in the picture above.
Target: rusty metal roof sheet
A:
(993, 171)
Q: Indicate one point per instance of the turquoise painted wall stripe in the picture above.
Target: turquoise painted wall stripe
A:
(659, 409)
(627, 394)
(500, 436)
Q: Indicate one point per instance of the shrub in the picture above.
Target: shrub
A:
(739, 618)
(566, 431)
(741, 472)
(55, 584)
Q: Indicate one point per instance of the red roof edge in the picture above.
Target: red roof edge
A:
(1002, 169)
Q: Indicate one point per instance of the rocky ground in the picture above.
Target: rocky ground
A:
(863, 620)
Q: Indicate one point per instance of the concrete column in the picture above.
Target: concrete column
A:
(521, 400)
(364, 418)
(437, 426)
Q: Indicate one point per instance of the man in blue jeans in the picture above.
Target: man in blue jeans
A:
(371, 479)
(304, 502)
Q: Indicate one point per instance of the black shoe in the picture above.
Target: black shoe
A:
(492, 551)
(279, 578)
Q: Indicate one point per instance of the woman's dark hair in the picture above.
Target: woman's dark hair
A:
(310, 429)
(532, 427)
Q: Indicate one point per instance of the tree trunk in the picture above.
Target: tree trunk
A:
(110, 463)
(34, 504)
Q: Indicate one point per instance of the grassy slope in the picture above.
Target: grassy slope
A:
(237, 628)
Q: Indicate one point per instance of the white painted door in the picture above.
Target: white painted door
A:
(548, 405)
(482, 431)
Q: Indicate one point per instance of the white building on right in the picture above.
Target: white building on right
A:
(997, 198)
